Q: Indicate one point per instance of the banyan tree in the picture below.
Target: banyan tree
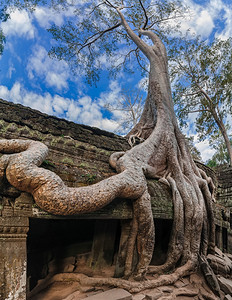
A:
(162, 153)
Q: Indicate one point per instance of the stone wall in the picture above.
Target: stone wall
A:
(79, 154)
(224, 200)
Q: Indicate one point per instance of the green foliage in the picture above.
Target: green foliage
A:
(3, 18)
(202, 82)
(93, 40)
(211, 163)
(194, 151)
(2, 41)
(90, 178)
(221, 157)
(48, 164)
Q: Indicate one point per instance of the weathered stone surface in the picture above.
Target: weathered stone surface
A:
(166, 289)
(191, 292)
(13, 257)
(220, 263)
(63, 265)
(114, 294)
(225, 186)
(139, 297)
(225, 285)
(180, 284)
(228, 297)
(153, 295)
(25, 120)
(73, 296)
(79, 154)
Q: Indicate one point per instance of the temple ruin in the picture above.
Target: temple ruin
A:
(34, 243)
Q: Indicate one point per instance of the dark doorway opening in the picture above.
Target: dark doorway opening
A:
(162, 235)
(224, 239)
(53, 244)
(70, 245)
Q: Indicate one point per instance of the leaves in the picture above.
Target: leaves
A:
(94, 33)
(201, 77)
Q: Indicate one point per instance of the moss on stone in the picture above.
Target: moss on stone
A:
(67, 160)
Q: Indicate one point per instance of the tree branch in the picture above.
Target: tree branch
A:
(127, 56)
(164, 20)
(138, 60)
(109, 4)
(96, 7)
(145, 14)
(155, 39)
(100, 34)
(199, 110)
(135, 38)
(204, 94)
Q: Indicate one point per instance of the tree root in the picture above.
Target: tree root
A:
(129, 285)
(163, 155)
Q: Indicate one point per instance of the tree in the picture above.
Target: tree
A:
(202, 76)
(3, 17)
(164, 155)
(220, 157)
(194, 151)
(130, 105)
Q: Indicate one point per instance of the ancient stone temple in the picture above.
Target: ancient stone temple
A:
(34, 244)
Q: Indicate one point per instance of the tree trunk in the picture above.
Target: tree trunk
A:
(163, 155)
(224, 134)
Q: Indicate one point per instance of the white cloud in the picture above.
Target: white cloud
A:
(46, 16)
(227, 31)
(204, 24)
(205, 150)
(111, 96)
(73, 112)
(11, 70)
(203, 146)
(83, 110)
(54, 73)
(199, 23)
(19, 24)
(111, 125)
(206, 17)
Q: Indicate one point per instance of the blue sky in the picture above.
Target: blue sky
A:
(28, 76)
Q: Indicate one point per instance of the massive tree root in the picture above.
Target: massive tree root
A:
(163, 155)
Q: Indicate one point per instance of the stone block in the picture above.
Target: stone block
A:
(153, 295)
(225, 284)
(139, 297)
(165, 289)
(62, 265)
(114, 294)
(73, 296)
(187, 292)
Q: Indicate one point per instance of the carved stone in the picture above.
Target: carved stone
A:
(13, 257)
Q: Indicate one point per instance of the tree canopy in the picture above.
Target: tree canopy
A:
(221, 156)
(3, 17)
(96, 39)
(202, 83)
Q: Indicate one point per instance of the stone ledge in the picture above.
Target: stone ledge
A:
(114, 294)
